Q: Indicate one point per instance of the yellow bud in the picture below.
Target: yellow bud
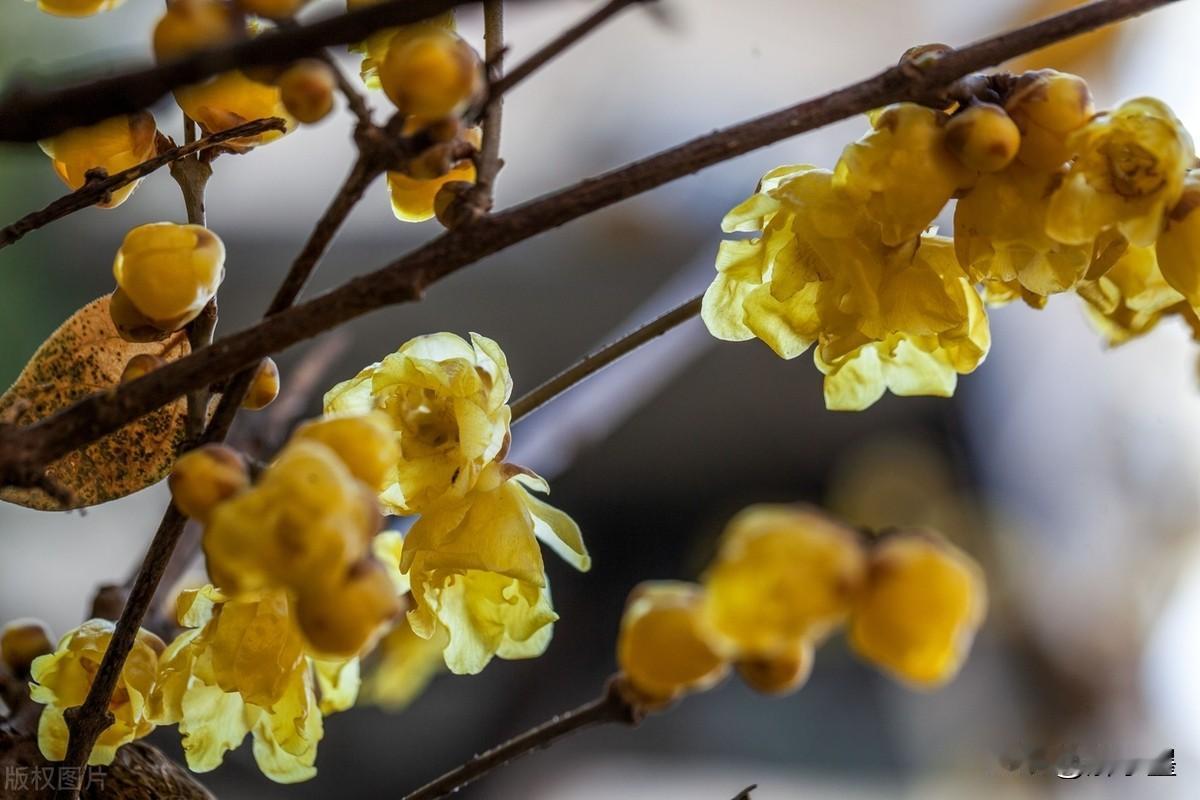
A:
(366, 444)
(190, 25)
(662, 648)
(919, 609)
(432, 75)
(131, 324)
(1178, 245)
(306, 89)
(264, 387)
(77, 8)
(140, 365)
(778, 675)
(983, 137)
(205, 477)
(169, 272)
(23, 640)
(112, 145)
(448, 203)
(342, 618)
(1047, 105)
(272, 9)
(416, 200)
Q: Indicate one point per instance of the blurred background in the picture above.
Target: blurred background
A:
(1068, 470)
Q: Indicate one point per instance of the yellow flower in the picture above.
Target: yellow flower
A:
(663, 647)
(1130, 298)
(113, 145)
(1127, 173)
(22, 641)
(374, 48)
(903, 318)
(1000, 234)
(785, 576)
(476, 570)
(169, 272)
(77, 8)
(230, 98)
(61, 680)
(446, 399)
(901, 171)
(365, 443)
(241, 668)
(430, 74)
(406, 665)
(307, 518)
(413, 198)
(919, 609)
(1178, 246)
(1048, 106)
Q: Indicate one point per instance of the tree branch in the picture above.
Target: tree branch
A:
(405, 279)
(600, 359)
(487, 161)
(28, 116)
(612, 706)
(96, 191)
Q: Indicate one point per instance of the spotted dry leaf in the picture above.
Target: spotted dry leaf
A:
(85, 355)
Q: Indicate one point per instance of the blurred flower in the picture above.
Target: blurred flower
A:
(113, 145)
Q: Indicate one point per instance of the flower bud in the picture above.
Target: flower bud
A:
(435, 74)
(365, 443)
(205, 477)
(23, 640)
(306, 88)
(449, 203)
(1046, 106)
(140, 365)
(983, 137)
(342, 618)
(131, 324)
(264, 387)
(780, 674)
(169, 272)
(113, 145)
(190, 25)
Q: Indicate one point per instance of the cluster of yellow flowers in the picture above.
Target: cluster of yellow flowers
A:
(784, 579)
(1051, 197)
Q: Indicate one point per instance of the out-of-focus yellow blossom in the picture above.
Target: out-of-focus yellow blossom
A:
(365, 443)
(431, 74)
(77, 8)
(1048, 106)
(1178, 246)
(406, 664)
(902, 318)
(785, 576)
(169, 272)
(61, 680)
(308, 517)
(1000, 235)
(230, 98)
(780, 674)
(306, 88)
(413, 200)
(446, 399)
(476, 571)
(241, 668)
(663, 647)
(917, 612)
(901, 171)
(342, 615)
(113, 145)
(1129, 299)
(1127, 174)
(983, 137)
(204, 477)
(22, 641)
(374, 48)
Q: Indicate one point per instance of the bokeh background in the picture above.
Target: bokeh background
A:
(1069, 470)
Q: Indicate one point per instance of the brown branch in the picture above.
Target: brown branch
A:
(28, 116)
(355, 100)
(86, 722)
(600, 359)
(612, 706)
(558, 45)
(95, 191)
(405, 279)
(744, 794)
(487, 161)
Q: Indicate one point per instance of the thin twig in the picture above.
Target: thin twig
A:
(355, 100)
(97, 191)
(405, 279)
(600, 359)
(559, 44)
(744, 794)
(86, 722)
(612, 706)
(487, 161)
(28, 116)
